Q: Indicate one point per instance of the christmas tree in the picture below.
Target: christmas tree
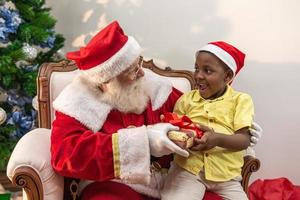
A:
(27, 39)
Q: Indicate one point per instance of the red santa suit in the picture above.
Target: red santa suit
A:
(90, 139)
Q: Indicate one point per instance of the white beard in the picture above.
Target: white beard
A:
(131, 98)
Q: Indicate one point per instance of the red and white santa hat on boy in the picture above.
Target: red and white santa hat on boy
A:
(107, 54)
(230, 55)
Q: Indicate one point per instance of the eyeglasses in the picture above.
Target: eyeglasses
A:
(133, 74)
(140, 65)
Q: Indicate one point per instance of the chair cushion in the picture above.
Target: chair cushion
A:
(33, 150)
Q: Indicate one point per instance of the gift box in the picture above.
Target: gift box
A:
(184, 137)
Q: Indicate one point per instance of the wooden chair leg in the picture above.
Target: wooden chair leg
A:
(251, 164)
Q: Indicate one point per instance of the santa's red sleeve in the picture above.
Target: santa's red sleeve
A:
(81, 153)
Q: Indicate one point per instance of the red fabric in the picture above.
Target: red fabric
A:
(273, 189)
(211, 196)
(183, 122)
(78, 152)
(109, 191)
(116, 191)
(103, 46)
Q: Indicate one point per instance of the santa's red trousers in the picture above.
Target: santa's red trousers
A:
(109, 190)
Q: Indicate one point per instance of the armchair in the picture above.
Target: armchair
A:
(29, 166)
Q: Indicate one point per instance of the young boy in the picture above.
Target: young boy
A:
(225, 115)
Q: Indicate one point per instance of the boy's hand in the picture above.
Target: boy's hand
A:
(207, 141)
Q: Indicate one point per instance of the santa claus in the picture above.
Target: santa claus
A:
(107, 126)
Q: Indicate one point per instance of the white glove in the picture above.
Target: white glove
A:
(160, 144)
(256, 133)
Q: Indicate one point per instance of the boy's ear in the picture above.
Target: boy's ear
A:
(229, 76)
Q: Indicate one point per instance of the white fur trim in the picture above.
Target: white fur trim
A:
(81, 102)
(78, 101)
(134, 156)
(161, 89)
(221, 54)
(116, 64)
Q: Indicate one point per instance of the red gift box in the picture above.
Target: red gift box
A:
(188, 130)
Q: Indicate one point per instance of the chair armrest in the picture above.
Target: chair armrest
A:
(29, 167)
(251, 164)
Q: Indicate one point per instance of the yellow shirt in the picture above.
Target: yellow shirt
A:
(226, 114)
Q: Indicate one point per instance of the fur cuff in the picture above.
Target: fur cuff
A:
(133, 156)
(161, 89)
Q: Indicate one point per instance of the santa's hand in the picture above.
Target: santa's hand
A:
(159, 142)
(256, 133)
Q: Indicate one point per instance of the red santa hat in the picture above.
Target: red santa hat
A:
(230, 55)
(107, 54)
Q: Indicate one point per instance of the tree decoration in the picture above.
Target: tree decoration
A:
(27, 39)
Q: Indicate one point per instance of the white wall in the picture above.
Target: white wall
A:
(170, 31)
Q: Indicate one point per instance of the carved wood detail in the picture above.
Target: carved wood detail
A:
(29, 180)
(251, 165)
